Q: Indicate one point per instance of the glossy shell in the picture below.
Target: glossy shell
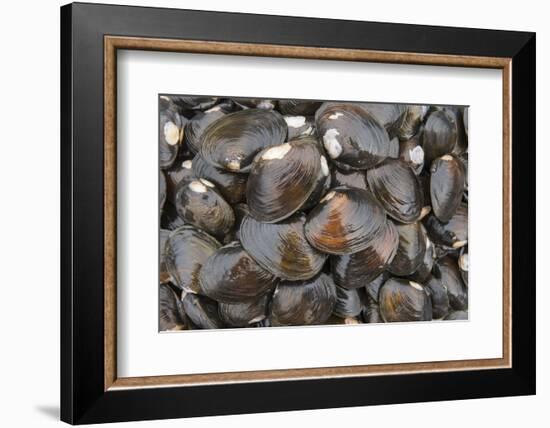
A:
(440, 135)
(177, 173)
(424, 270)
(397, 188)
(230, 275)
(202, 311)
(373, 287)
(170, 135)
(299, 126)
(162, 190)
(243, 314)
(410, 251)
(446, 186)
(439, 297)
(195, 127)
(164, 275)
(349, 303)
(281, 248)
(450, 277)
(453, 234)
(299, 107)
(232, 142)
(170, 313)
(349, 179)
(282, 179)
(345, 221)
(303, 302)
(352, 136)
(403, 300)
(232, 186)
(411, 152)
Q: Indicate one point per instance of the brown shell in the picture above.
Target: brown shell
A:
(403, 300)
(282, 179)
(439, 297)
(195, 127)
(170, 313)
(457, 316)
(230, 275)
(349, 179)
(447, 182)
(345, 221)
(232, 186)
(424, 270)
(411, 249)
(281, 248)
(440, 135)
(451, 279)
(164, 275)
(397, 188)
(454, 233)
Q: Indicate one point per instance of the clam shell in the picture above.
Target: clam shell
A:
(178, 172)
(349, 179)
(451, 279)
(463, 264)
(388, 115)
(199, 203)
(457, 316)
(282, 179)
(345, 221)
(411, 249)
(371, 313)
(398, 189)
(243, 314)
(358, 269)
(170, 313)
(170, 220)
(195, 127)
(454, 233)
(170, 136)
(373, 287)
(281, 248)
(202, 311)
(412, 153)
(439, 297)
(194, 102)
(403, 300)
(349, 303)
(232, 142)
(186, 250)
(447, 182)
(162, 190)
(299, 107)
(230, 275)
(164, 275)
(303, 302)
(424, 270)
(440, 135)
(351, 135)
(232, 186)
(299, 126)
(411, 121)
(256, 103)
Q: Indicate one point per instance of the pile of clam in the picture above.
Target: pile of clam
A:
(291, 212)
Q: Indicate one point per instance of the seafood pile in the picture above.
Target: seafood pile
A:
(299, 212)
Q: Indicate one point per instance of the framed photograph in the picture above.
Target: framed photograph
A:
(267, 213)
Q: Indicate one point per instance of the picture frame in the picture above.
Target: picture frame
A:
(91, 35)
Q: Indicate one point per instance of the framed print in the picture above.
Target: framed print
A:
(273, 213)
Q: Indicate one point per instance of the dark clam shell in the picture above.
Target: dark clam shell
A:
(412, 153)
(170, 219)
(371, 313)
(451, 279)
(358, 269)
(195, 127)
(281, 248)
(303, 302)
(170, 313)
(299, 107)
(440, 135)
(164, 275)
(446, 186)
(170, 135)
(232, 142)
(424, 270)
(243, 314)
(282, 179)
(373, 287)
(454, 233)
(352, 136)
(457, 113)
(403, 300)
(349, 179)
(438, 296)
(199, 203)
(177, 173)
(232, 186)
(345, 221)
(201, 310)
(256, 103)
(397, 188)
(349, 303)
(230, 275)
(194, 102)
(241, 211)
(388, 115)
(463, 264)
(162, 190)
(457, 316)
(299, 126)
(411, 249)
(411, 121)
(186, 250)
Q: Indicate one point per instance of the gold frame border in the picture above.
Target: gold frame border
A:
(112, 43)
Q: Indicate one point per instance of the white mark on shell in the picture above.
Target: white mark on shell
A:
(424, 211)
(295, 121)
(308, 131)
(459, 244)
(328, 196)
(276, 152)
(324, 166)
(463, 262)
(417, 155)
(197, 187)
(188, 164)
(171, 133)
(446, 157)
(335, 115)
(351, 321)
(332, 146)
(416, 285)
(233, 165)
(213, 109)
(206, 182)
(266, 104)
(257, 319)
(164, 97)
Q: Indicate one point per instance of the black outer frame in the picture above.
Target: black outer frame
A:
(83, 399)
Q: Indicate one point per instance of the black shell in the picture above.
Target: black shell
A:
(457, 113)
(201, 310)
(438, 296)
(351, 135)
(194, 102)
(243, 314)
(373, 287)
(282, 179)
(440, 135)
(164, 275)
(170, 135)
(424, 270)
(232, 142)
(199, 203)
(282, 248)
(196, 126)
(162, 190)
(358, 269)
(411, 249)
(457, 316)
(170, 219)
(299, 126)
(397, 188)
(349, 179)
(241, 211)
(299, 107)
(411, 152)
(256, 103)
(388, 115)
(446, 186)
(178, 172)
(170, 313)
(349, 303)
(345, 221)
(230, 275)
(453, 234)
(371, 312)
(403, 300)
(411, 121)
(232, 186)
(303, 302)
(450, 277)
(186, 250)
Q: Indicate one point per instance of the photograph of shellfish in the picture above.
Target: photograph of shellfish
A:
(287, 212)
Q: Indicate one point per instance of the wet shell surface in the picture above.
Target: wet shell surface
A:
(440, 135)
(195, 127)
(230, 275)
(397, 188)
(170, 135)
(202, 311)
(303, 302)
(177, 173)
(349, 179)
(232, 142)
(451, 279)
(454, 233)
(411, 249)
(243, 314)
(299, 107)
(352, 136)
(232, 186)
(345, 221)
(349, 303)
(439, 297)
(403, 300)
(281, 248)
(282, 179)
(447, 182)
